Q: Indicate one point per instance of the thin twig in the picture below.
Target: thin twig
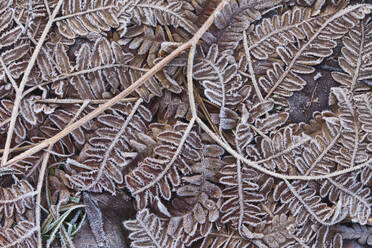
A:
(250, 66)
(204, 109)
(7, 72)
(18, 149)
(27, 72)
(4, 122)
(190, 88)
(79, 101)
(42, 174)
(62, 77)
(83, 13)
(38, 190)
(124, 93)
(256, 165)
(47, 7)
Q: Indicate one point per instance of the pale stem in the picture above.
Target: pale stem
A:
(9, 75)
(42, 174)
(27, 72)
(123, 94)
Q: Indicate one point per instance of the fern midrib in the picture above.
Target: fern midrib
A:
(77, 73)
(350, 107)
(356, 142)
(160, 8)
(84, 12)
(342, 188)
(19, 197)
(241, 195)
(250, 66)
(220, 78)
(300, 51)
(309, 210)
(175, 156)
(277, 31)
(149, 233)
(325, 151)
(292, 147)
(359, 61)
(22, 238)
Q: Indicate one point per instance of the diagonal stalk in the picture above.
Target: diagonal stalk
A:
(21, 87)
(123, 94)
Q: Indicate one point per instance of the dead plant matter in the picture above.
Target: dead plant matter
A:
(230, 123)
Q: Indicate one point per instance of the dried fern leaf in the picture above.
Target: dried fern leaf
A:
(280, 30)
(159, 12)
(79, 18)
(10, 37)
(280, 232)
(225, 238)
(195, 209)
(21, 126)
(110, 150)
(282, 78)
(16, 199)
(147, 230)
(158, 176)
(241, 198)
(326, 238)
(281, 146)
(235, 17)
(304, 202)
(216, 72)
(364, 108)
(356, 59)
(352, 134)
(21, 235)
(352, 193)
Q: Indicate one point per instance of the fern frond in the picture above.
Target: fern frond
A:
(110, 150)
(353, 194)
(16, 199)
(196, 207)
(178, 147)
(158, 12)
(241, 198)
(79, 18)
(280, 30)
(352, 134)
(280, 232)
(225, 238)
(147, 230)
(304, 202)
(364, 108)
(21, 235)
(356, 62)
(216, 72)
(235, 17)
(282, 78)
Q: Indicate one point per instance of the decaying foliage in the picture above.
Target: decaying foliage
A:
(187, 105)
